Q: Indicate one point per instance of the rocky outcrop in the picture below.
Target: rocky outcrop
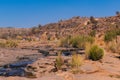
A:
(40, 67)
(45, 66)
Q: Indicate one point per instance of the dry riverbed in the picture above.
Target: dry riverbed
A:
(106, 69)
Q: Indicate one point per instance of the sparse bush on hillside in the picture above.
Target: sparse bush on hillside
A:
(92, 20)
(76, 41)
(35, 30)
(109, 36)
(11, 43)
(64, 42)
(113, 47)
(95, 53)
(92, 33)
(80, 41)
(118, 31)
(8, 43)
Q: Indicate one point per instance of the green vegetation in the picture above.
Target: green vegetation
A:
(80, 41)
(11, 43)
(64, 42)
(8, 43)
(95, 53)
(76, 41)
(92, 33)
(111, 35)
(113, 47)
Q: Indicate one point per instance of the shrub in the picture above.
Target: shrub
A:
(76, 62)
(113, 47)
(76, 41)
(92, 20)
(118, 31)
(80, 41)
(64, 42)
(92, 33)
(109, 36)
(11, 43)
(8, 43)
(95, 53)
(59, 61)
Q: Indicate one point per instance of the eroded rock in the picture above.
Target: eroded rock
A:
(40, 67)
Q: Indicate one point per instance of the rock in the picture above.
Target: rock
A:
(66, 53)
(40, 67)
(44, 52)
(80, 52)
(89, 68)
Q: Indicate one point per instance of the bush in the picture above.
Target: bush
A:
(64, 42)
(76, 41)
(92, 33)
(92, 20)
(8, 43)
(76, 62)
(109, 36)
(11, 43)
(80, 41)
(59, 61)
(95, 53)
(113, 47)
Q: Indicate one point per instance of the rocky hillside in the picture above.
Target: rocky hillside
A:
(74, 26)
(78, 26)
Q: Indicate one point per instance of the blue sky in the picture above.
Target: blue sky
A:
(29, 13)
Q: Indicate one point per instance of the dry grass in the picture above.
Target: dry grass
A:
(113, 47)
(76, 62)
(59, 61)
